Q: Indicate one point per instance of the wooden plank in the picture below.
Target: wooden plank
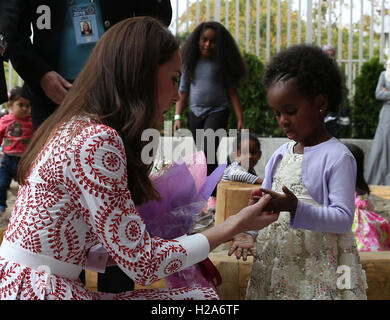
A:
(377, 267)
(231, 198)
(380, 191)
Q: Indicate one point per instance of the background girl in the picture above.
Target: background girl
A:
(16, 130)
(312, 181)
(213, 69)
(242, 169)
(371, 230)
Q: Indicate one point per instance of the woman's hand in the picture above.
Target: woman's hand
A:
(256, 216)
(281, 202)
(243, 245)
(252, 217)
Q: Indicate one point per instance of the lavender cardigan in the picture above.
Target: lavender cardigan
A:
(329, 174)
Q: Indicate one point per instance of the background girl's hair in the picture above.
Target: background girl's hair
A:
(237, 144)
(361, 184)
(314, 71)
(16, 93)
(226, 54)
(118, 88)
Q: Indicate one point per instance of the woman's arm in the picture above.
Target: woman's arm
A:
(98, 173)
(235, 100)
(244, 220)
(381, 94)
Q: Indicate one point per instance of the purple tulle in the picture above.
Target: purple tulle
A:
(184, 189)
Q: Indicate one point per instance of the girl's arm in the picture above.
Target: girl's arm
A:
(237, 174)
(336, 216)
(235, 100)
(179, 108)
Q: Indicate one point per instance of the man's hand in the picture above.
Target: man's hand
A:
(55, 86)
(243, 244)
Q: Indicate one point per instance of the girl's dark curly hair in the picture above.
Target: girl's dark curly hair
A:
(315, 73)
(237, 144)
(226, 54)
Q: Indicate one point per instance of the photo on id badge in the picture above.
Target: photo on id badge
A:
(85, 28)
(85, 25)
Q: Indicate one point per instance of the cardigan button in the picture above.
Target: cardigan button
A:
(107, 24)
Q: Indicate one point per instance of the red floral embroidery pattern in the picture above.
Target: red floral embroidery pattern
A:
(173, 266)
(111, 161)
(133, 231)
(76, 196)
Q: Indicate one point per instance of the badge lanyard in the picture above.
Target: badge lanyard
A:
(84, 22)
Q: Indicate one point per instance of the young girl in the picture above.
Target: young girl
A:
(242, 168)
(16, 130)
(212, 71)
(372, 231)
(310, 251)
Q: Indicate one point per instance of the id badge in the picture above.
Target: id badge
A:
(85, 24)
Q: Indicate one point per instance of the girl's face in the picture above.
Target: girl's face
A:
(248, 159)
(207, 43)
(20, 108)
(168, 76)
(301, 118)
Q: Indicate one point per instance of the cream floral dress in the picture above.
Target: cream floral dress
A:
(303, 264)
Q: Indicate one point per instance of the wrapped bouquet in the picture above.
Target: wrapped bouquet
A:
(184, 188)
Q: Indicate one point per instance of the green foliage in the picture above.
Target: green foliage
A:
(258, 117)
(366, 107)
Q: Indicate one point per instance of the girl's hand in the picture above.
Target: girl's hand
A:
(243, 245)
(259, 181)
(281, 202)
(240, 125)
(176, 125)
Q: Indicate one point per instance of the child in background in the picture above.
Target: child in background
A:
(16, 130)
(248, 154)
(312, 181)
(371, 230)
(213, 69)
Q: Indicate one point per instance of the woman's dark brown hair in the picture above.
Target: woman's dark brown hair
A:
(117, 87)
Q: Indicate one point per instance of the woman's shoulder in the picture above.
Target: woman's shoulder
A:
(85, 128)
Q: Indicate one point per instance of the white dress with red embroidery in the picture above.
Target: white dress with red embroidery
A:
(75, 197)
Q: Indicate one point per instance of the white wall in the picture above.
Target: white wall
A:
(172, 148)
